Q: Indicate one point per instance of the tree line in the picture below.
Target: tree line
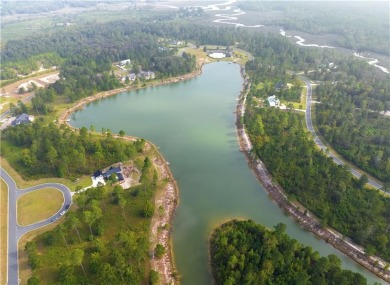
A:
(42, 150)
(243, 252)
(313, 179)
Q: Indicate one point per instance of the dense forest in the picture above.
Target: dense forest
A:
(41, 150)
(313, 179)
(243, 252)
(144, 43)
(351, 120)
(106, 239)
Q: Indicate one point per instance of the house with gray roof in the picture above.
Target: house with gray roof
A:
(23, 119)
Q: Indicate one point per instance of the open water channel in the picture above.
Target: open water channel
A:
(193, 124)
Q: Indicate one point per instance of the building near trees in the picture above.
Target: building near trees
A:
(23, 119)
(273, 101)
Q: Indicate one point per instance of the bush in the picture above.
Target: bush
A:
(159, 250)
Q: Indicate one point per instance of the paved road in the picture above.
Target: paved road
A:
(8, 112)
(15, 231)
(309, 125)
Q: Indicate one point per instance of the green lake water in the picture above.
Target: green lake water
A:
(192, 122)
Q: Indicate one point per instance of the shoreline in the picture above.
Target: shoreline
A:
(62, 118)
(168, 199)
(303, 217)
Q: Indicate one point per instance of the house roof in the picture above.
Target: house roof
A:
(22, 119)
(97, 174)
(112, 170)
(273, 101)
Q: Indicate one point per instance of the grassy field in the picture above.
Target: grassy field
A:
(31, 208)
(3, 231)
(21, 29)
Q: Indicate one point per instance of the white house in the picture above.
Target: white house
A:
(273, 101)
(125, 62)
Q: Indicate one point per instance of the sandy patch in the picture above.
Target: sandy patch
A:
(51, 78)
(29, 85)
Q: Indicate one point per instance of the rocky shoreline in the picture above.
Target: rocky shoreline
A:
(161, 225)
(301, 215)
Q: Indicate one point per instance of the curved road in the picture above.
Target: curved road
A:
(309, 125)
(15, 231)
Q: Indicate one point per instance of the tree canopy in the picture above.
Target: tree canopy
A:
(243, 252)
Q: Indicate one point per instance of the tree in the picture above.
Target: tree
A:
(75, 223)
(33, 281)
(363, 180)
(122, 203)
(51, 155)
(34, 260)
(89, 219)
(159, 251)
(386, 186)
(62, 232)
(22, 90)
(23, 107)
(148, 210)
(121, 133)
(154, 277)
(77, 256)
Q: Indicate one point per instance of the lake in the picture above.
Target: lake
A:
(192, 122)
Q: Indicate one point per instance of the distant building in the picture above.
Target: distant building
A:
(132, 76)
(217, 55)
(273, 101)
(176, 42)
(146, 75)
(125, 62)
(23, 119)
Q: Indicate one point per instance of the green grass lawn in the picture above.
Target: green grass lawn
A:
(38, 205)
